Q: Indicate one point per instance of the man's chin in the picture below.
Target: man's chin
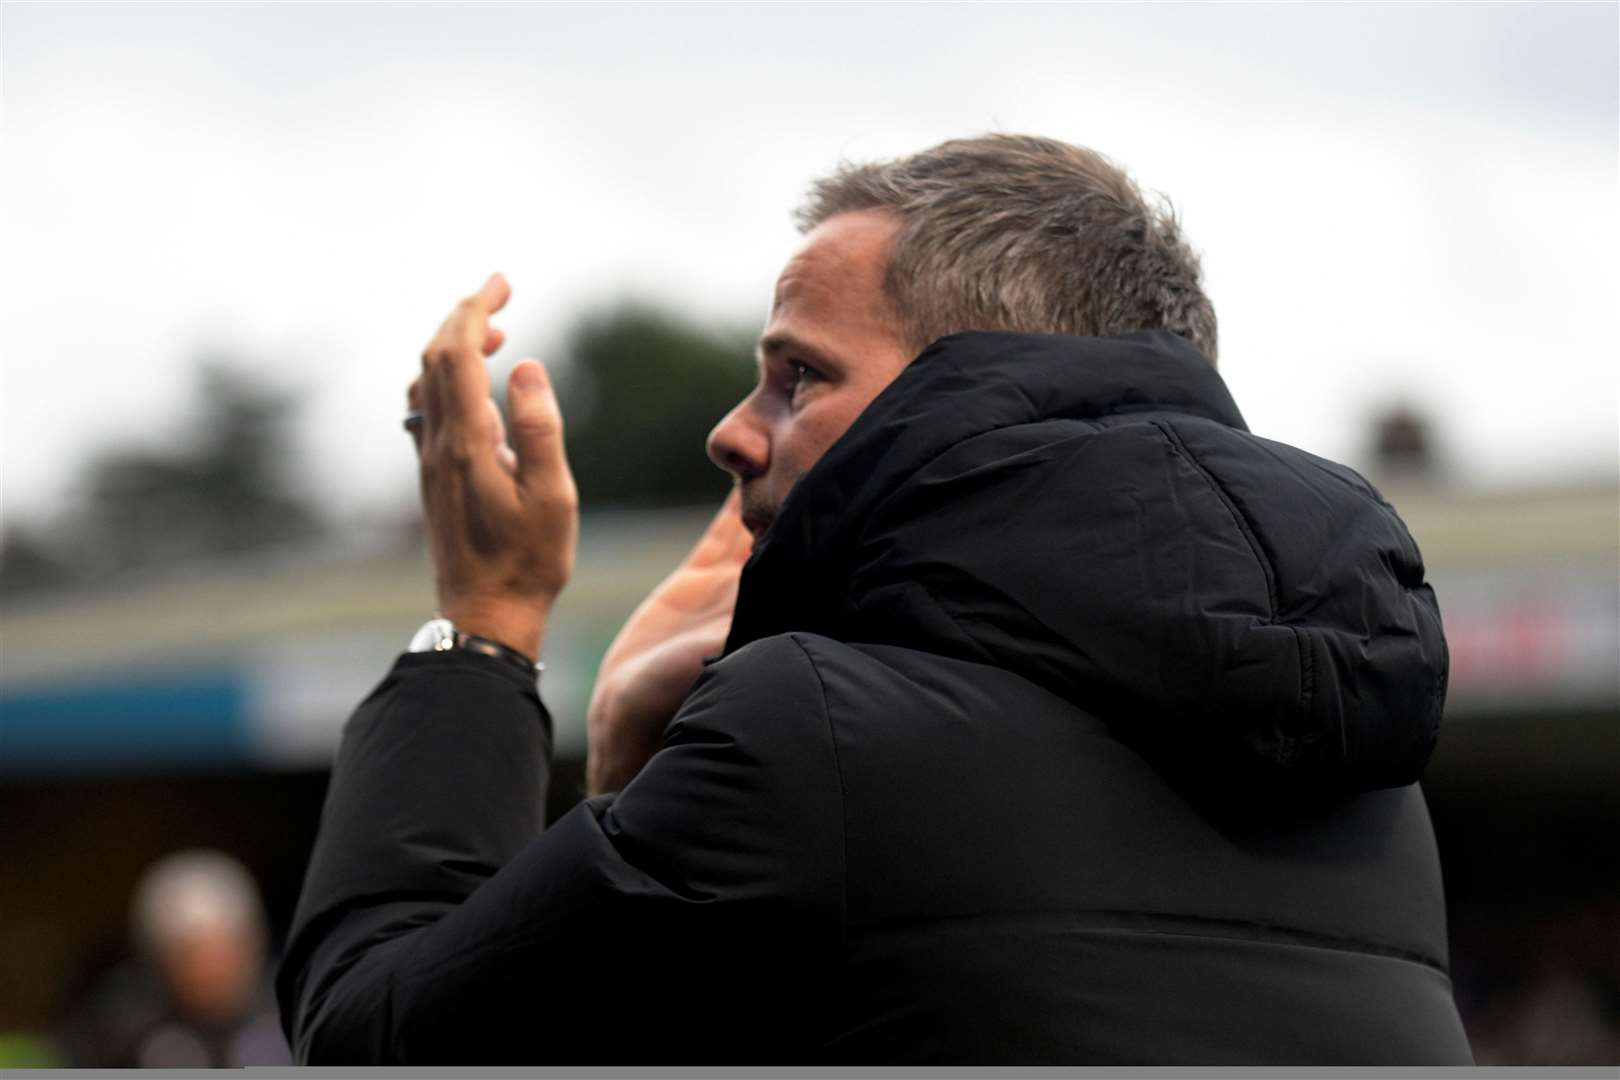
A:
(757, 517)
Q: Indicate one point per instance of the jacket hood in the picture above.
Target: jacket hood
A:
(1093, 514)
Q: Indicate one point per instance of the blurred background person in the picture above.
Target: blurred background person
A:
(195, 992)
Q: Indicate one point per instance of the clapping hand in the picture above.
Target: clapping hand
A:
(502, 521)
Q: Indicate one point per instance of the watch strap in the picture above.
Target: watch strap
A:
(441, 635)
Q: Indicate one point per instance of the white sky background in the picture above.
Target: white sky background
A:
(1394, 202)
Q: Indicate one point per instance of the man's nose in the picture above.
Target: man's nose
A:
(739, 443)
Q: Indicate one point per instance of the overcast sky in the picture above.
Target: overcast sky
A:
(1394, 202)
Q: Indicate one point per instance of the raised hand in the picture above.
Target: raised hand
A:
(659, 653)
(502, 521)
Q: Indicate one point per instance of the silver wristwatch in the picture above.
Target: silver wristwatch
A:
(440, 635)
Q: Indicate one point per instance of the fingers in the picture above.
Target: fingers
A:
(457, 383)
(503, 452)
(537, 432)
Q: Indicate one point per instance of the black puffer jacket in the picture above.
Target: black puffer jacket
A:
(1062, 721)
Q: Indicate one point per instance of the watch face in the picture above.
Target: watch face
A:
(435, 635)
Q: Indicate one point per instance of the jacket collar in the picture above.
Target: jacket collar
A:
(959, 387)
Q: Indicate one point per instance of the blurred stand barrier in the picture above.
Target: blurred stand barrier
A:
(203, 708)
(255, 661)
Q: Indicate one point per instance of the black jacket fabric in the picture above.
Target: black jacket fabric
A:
(1062, 721)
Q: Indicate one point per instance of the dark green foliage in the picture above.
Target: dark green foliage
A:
(227, 488)
(28, 560)
(640, 392)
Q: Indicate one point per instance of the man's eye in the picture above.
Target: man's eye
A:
(801, 374)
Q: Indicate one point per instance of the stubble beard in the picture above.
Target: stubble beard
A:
(758, 511)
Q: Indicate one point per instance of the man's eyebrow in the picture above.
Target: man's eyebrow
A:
(782, 341)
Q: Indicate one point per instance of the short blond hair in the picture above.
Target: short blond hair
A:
(1017, 232)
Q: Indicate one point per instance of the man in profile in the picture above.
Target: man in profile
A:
(1055, 717)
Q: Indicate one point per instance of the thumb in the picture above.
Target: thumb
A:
(537, 428)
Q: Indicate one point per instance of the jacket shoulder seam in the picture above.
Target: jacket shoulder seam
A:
(1178, 447)
(1290, 746)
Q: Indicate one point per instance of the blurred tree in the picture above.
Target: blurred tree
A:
(29, 560)
(226, 488)
(640, 390)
